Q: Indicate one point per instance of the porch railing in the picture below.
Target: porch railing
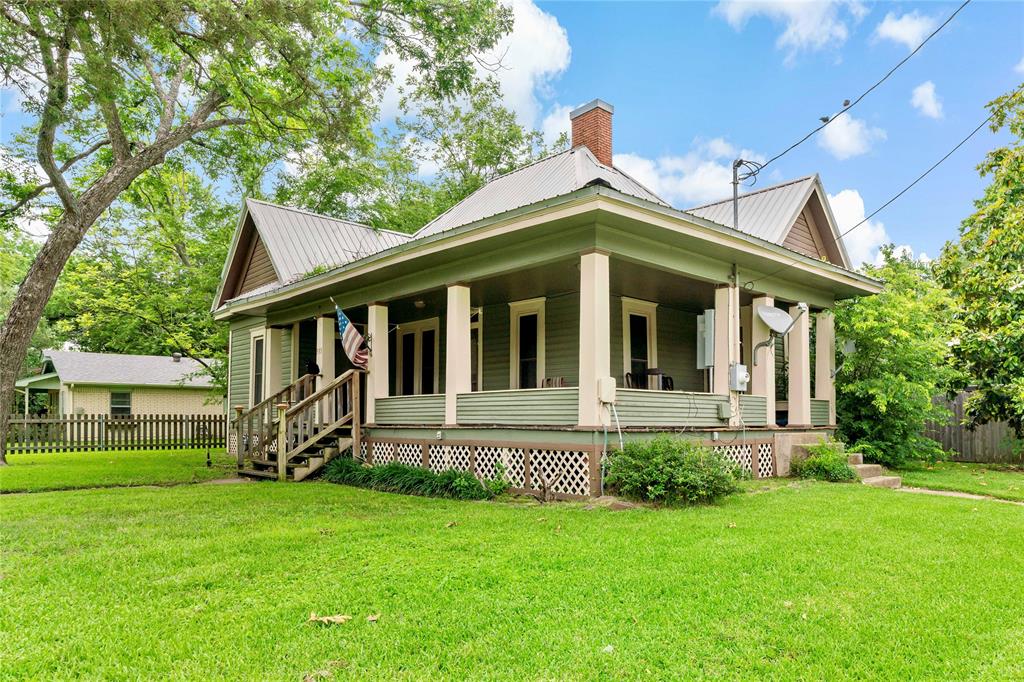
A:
(254, 430)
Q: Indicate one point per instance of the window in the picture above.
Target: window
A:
(120, 403)
(639, 340)
(418, 356)
(257, 360)
(527, 346)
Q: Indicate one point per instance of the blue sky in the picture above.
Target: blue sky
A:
(695, 84)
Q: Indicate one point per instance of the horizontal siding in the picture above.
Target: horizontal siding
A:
(496, 340)
(561, 338)
(668, 408)
(238, 366)
(677, 348)
(754, 410)
(540, 406)
(819, 412)
(259, 270)
(286, 356)
(410, 409)
(800, 238)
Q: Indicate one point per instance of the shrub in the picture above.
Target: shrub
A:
(400, 478)
(671, 471)
(825, 462)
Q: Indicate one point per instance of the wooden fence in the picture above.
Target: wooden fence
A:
(992, 442)
(109, 432)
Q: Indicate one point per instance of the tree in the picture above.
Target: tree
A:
(885, 390)
(985, 273)
(118, 87)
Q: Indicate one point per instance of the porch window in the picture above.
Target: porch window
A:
(121, 403)
(257, 358)
(527, 346)
(639, 341)
(418, 357)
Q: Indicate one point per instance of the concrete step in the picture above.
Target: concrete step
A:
(854, 458)
(883, 481)
(867, 470)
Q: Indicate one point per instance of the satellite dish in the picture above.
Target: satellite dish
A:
(776, 319)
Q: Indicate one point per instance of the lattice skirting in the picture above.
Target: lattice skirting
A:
(757, 459)
(570, 472)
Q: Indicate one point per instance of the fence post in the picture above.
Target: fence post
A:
(282, 443)
(103, 432)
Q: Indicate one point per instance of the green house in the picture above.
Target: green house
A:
(559, 310)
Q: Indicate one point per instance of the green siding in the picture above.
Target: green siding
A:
(677, 348)
(546, 406)
(819, 412)
(238, 366)
(615, 325)
(286, 357)
(754, 410)
(561, 338)
(668, 408)
(410, 409)
(496, 339)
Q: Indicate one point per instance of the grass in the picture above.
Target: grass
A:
(803, 580)
(65, 470)
(998, 480)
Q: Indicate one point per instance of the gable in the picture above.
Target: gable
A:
(258, 271)
(803, 238)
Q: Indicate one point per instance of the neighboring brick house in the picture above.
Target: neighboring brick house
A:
(116, 384)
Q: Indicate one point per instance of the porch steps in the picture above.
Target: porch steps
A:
(303, 465)
(872, 474)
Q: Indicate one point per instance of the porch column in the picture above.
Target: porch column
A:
(377, 366)
(458, 375)
(799, 340)
(273, 346)
(727, 345)
(325, 333)
(595, 336)
(762, 369)
(825, 361)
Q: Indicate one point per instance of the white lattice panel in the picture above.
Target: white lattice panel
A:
(765, 465)
(444, 457)
(383, 453)
(511, 460)
(740, 453)
(514, 460)
(552, 463)
(362, 450)
(410, 454)
(232, 442)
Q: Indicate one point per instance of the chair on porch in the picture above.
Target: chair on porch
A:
(553, 382)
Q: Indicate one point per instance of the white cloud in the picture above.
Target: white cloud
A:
(556, 122)
(846, 137)
(807, 25)
(909, 30)
(701, 175)
(532, 56)
(863, 243)
(1020, 66)
(926, 101)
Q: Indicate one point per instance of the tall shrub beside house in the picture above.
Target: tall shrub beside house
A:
(984, 271)
(885, 390)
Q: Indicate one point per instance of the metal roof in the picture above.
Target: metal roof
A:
(550, 177)
(299, 242)
(75, 367)
(767, 213)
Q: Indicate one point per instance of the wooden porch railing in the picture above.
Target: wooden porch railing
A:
(255, 429)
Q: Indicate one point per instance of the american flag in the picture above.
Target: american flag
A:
(351, 340)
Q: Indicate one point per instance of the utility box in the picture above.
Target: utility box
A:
(606, 390)
(706, 339)
(739, 377)
(724, 411)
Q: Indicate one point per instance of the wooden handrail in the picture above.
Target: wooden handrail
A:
(337, 381)
(276, 398)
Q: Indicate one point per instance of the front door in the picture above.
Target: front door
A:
(418, 355)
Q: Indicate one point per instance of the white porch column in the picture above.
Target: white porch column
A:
(825, 361)
(762, 369)
(727, 345)
(273, 347)
(377, 366)
(799, 339)
(458, 375)
(595, 336)
(325, 332)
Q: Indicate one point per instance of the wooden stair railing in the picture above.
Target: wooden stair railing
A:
(255, 429)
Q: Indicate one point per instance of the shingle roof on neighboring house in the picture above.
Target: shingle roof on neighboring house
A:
(766, 213)
(553, 176)
(299, 242)
(136, 370)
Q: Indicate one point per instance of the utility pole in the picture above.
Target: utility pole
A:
(751, 170)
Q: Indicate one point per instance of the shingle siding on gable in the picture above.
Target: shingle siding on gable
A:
(800, 238)
(259, 270)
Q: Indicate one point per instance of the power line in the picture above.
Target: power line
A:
(854, 103)
(1009, 100)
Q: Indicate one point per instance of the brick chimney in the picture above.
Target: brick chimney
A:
(592, 128)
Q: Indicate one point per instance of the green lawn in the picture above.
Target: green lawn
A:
(64, 470)
(807, 580)
(998, 480)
